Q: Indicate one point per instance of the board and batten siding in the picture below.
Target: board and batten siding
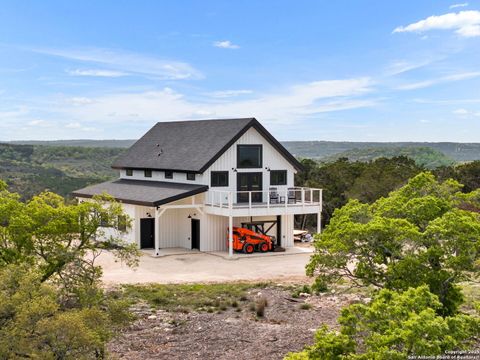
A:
(272, 159)
(159, 175)
(175, 227)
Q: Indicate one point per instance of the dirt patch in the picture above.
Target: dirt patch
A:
(235, 333)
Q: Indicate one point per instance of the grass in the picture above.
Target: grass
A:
(184, 297)
(260, 305)
(471, 292)
(305, 306)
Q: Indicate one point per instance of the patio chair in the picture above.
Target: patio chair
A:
(292, 197)
(274, 198)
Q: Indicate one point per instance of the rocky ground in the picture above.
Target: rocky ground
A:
(235, 332)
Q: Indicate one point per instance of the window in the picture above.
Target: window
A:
(168, 174)
(219, 178)
(278, 177)
(190, 176)
(104, 220)
(122, 223)
(148, 173)
(129, 172)
(249, 156)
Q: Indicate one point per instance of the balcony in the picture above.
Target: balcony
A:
(285, 201)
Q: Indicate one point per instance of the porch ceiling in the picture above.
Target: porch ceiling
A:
(138, 192)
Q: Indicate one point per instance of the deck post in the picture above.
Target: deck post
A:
(319, 222)
(230, 236)
(157, 231)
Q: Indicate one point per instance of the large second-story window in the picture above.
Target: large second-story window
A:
(148, 173)
(191, 176)
(249, 156)
(278, 177)
(168, 174)
(129, 172)
(219, 178)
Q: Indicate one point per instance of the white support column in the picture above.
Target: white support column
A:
(158, 213)
(230, 236)
(319, 222)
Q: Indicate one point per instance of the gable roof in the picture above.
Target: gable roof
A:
(142, 192)
(191, 145)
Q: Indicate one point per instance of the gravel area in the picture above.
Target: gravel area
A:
(236, 333)
(198, 267)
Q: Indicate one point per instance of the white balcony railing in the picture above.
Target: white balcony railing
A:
(285, 197)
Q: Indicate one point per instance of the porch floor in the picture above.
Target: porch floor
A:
(170, 251)
(288, 251)
(224, 254)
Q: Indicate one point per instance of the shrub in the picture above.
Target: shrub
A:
(36, 324)
(419, 234)
(393, 326)
(260, 304)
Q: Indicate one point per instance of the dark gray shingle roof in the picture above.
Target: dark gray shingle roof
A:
(142, 192)
(190, 145)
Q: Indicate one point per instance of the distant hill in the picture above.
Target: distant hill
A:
(66, 165)
(423, 156)
(30, 169)
(308, 149)
(82, 143)
(320, 149)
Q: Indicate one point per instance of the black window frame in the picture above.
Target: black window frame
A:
(240, 146)
(217, 183)
(104, 221)
(149, 172)
(272, 172)
(129, 172)
(191, 176)
(122, 223)
(168, 174)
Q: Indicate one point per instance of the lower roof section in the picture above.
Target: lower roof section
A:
(141, 192)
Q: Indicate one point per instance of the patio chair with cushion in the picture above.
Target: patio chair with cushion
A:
(274, 199)
(292, 198)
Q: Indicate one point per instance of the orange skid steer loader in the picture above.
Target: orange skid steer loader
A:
(249, 241)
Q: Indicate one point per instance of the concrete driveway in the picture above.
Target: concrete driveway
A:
(193, 267)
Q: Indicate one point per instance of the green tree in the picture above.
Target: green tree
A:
(343, 180)
(467, 174)
(51, 301)
(393, 326)
(419, 234)
(34, 323)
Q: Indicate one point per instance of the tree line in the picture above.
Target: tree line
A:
(367, 182)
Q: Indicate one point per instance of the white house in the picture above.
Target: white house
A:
(185, 183)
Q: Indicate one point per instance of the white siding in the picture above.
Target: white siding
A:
(213, 233)
(158, 175)
(272, 159)
(174, 224)
(287, 231)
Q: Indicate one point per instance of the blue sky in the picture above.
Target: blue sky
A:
(309, 70)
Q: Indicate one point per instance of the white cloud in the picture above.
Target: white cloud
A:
(127, 62)
(226, 44)
(461, 112)
(401, 66)
(440, 80)
(229, 93)
(287, 106)
(465, 23)
(79, 126)
(96, 72)
(80, 101)
(38, 122)
(454, 6)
